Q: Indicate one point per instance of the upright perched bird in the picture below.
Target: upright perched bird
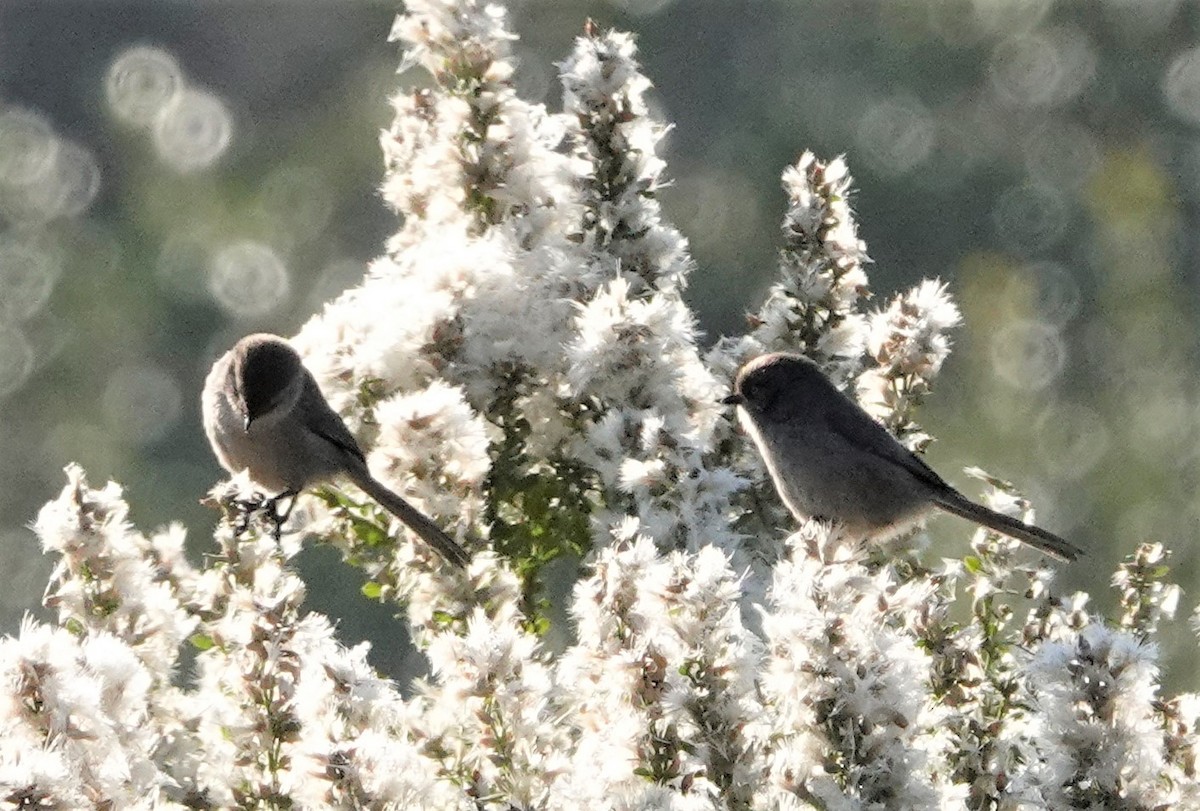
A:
(264, 413)
(829, 460)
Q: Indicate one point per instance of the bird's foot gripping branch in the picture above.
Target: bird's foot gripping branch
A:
(525, 334)
(249, 510)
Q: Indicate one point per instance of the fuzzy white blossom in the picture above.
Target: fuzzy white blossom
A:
(616, 140)
(1146, 600)
(107, 569)
(682, 726)
(432, 445)
(633, 359)
(848, 722)
(74, 715)
(494, 702)
(813, 309)
(1099, 735)
(908, 342)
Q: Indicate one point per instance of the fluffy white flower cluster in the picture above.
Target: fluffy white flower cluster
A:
(112, 577)
(662, 683)
(74, 717)
(522, 364)
(1098, 731)
(908, 342)
(849, 722)
(615, 145)
(813, 308)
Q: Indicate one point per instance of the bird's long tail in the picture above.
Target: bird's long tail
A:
(958, 504)
(413, 518)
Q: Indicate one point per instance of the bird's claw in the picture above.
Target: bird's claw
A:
(278, 517)
(259, 504)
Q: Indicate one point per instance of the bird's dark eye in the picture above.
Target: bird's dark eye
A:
(759, 392)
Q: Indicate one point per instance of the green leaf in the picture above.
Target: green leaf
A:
(444, 617)
(538, 625)
(201, 641)
(372, 590)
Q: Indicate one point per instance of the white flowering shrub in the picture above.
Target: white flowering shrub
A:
(522, 363)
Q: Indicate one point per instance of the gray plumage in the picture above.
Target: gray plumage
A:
(830, 460)
(264, 413)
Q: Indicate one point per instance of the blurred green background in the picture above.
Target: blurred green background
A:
(1042, 157)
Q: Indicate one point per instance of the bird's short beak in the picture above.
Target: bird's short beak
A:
(246, 424)
(733, 400)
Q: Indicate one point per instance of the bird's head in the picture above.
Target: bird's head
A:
(266, 370)
(776, 385)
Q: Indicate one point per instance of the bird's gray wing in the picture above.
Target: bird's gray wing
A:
(325, 423)
(859, 431)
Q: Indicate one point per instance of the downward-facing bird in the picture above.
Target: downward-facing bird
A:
(264, 413)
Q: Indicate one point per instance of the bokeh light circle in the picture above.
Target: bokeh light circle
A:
(1072, 440)
(1062, 154)
(141, 82)
(68, 188)
(897, 135)
(1043, 68)
(1058, 292)
(28, 147)
(1028, 354)
(27, 276)
(193, 131)
(1181, 85)
(248, 279)
(298, 202)
(1031, 218)
(16, 359)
